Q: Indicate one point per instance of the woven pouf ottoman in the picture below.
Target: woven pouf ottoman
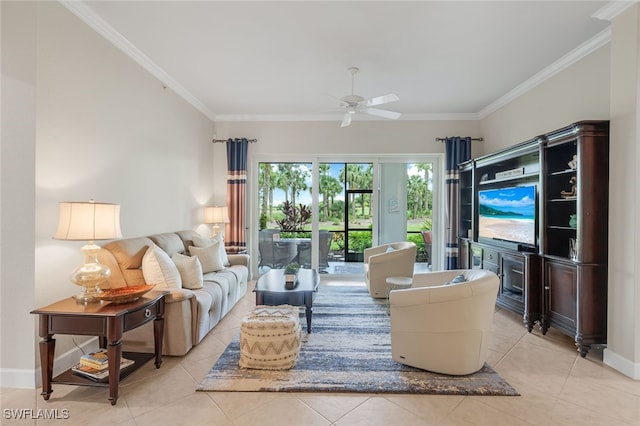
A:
(270, 338)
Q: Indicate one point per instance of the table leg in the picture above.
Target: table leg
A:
(158, 332)
(308, 312)
(47, 351)
(115, 328)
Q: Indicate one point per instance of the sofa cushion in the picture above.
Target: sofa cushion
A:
(129, 252)
(169, 242)
(158, 269)
(209, 257)
(190, 270)
(200, 241)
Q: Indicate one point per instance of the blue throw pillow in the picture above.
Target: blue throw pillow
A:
(457, 280)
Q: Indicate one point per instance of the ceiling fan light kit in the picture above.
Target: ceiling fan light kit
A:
(354, 104)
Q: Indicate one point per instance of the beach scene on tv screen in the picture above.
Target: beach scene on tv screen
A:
(508, 214)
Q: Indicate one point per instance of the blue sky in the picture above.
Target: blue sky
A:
(519, 199)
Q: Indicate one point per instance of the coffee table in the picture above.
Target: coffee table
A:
(270, 290)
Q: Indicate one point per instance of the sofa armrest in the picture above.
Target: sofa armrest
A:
(178, 295)
(239, 259)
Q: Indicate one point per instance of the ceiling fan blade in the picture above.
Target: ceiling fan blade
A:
(379, 100)
(346, 120)
(383, 113)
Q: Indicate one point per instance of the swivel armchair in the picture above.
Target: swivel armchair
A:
(444, 328)
(388, 260)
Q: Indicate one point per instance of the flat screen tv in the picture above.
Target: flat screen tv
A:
(508, 214)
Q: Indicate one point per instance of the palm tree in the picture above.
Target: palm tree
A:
(352, 178)
(426, 168)
(416, 193)
(291, 178)
(366, 182)
(328, 187)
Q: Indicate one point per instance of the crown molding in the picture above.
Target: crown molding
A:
(613, 9)
(338, 117)
(561, 64)
(87, 15)
(99, 25)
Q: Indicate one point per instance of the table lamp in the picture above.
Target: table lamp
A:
(214, 216)
(89, 221)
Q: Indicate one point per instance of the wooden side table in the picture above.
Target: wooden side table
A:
(109, 322)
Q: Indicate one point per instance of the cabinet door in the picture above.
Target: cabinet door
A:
(560, 296)
(512, 283)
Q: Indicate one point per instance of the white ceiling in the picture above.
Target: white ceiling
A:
(271, 60)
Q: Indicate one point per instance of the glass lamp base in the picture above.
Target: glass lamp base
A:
(88, 295)
(90, 275)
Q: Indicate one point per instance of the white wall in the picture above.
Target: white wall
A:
(580, 92)
(104, 129)
(17, 193)
(623, 331)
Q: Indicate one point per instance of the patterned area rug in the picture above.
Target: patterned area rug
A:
(348, 350)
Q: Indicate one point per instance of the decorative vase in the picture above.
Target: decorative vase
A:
(290, 281)
(573, 221)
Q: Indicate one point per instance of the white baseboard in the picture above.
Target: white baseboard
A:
(623, 365)
(18, 378)
(32, 378)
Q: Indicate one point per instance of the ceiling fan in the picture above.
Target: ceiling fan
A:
(354, 104)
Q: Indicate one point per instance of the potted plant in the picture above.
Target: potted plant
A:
(291, 275)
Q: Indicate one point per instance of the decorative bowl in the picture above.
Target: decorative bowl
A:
(124, 294)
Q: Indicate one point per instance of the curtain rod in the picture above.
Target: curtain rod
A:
(473, 139)
(226, 140)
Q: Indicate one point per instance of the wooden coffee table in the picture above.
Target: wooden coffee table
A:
(270, 290)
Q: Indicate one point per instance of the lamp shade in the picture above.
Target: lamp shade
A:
(218, 214)
(88, 221)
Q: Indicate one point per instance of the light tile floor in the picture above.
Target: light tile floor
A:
(557, 387)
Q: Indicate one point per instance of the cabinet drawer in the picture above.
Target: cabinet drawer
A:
(140, 316)
(490, 267)
(490, 256)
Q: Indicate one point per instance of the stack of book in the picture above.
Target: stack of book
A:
(95, 365)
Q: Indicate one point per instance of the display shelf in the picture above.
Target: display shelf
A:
(565, 277)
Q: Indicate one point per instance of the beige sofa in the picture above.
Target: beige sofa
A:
(387, 260)
(189, 313)
(444, 328)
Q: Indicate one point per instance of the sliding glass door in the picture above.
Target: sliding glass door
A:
(324, 214)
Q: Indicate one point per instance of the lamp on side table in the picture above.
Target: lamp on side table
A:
(89, 221)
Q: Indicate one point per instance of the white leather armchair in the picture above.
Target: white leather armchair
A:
(444, 328)
(381, 262)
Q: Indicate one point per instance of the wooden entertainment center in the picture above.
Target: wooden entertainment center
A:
(551, 257)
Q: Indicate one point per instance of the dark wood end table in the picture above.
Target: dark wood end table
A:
(108, 321)
(270, 290)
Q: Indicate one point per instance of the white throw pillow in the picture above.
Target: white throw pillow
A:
(209, 257)
(200, 241)
(190, 270)
(158, 269)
